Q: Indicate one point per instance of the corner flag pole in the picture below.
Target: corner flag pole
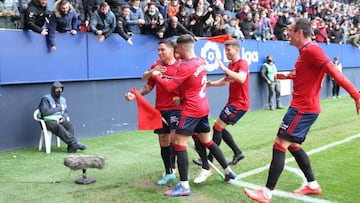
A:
(211, 165)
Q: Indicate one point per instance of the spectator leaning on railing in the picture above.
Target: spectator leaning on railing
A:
(173, 28)
(103, 22)
(64, 19)
(37, 17)
(280, 13)
(121, 11)
(136, 20)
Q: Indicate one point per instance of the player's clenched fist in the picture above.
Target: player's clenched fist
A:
(177, 101)
(160, 68)
(129, 96)
(156, 72)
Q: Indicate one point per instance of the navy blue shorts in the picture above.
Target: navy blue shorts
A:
(190, 125)
(295, 125)
(230, 114)
(172, 118)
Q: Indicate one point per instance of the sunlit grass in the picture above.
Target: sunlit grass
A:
(134, 164)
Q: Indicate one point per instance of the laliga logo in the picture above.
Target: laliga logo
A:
(211, 51)
(249, 56)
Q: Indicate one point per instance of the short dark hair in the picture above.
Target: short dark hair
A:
(304, 25)
(232, 42)
(185, 39)
(182, 8)
(151, 4)
(168, 43)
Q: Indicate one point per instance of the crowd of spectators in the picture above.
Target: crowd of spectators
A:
(332, 21)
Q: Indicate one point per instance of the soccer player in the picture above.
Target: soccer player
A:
(167, 65)
(309, 71)
(191, 80)
(237, 105)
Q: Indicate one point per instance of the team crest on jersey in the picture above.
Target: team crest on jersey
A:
(210, 52)
(167, 77)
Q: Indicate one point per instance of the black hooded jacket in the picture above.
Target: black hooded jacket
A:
(45, 105)
(35, 16)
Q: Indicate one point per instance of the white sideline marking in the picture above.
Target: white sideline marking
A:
(294, 170)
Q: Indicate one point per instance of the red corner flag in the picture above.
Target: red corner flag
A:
(219, 38)
(149, 118)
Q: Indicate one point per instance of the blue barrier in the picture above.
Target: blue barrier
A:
(115, 58)
(25, 57)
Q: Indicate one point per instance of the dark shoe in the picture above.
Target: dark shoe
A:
(236, 159)
(230, 176)
(197, 162)
(279, 107)
(82, 146)
(74, 147)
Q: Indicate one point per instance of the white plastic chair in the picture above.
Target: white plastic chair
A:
(45, 134)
